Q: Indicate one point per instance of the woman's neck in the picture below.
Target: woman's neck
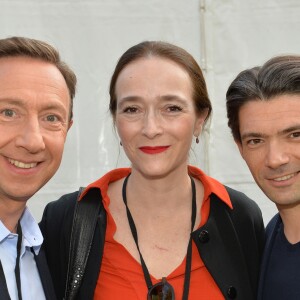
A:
(166, 192)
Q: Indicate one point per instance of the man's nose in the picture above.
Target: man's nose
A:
(277, 155)
(30, 136)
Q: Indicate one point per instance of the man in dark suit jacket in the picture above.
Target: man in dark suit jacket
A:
(263, 108)
(36, 95)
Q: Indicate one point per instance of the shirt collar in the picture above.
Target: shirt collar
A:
(211, 185)
(32, 236)
(109, 177)
(31, 231)
(4, 232)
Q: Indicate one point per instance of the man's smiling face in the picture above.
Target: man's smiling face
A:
(270, 145)
(34, 120)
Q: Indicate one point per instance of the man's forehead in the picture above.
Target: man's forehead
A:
(278, 104)
(275, 115)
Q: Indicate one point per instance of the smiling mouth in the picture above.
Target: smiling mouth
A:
(286, 177)
(22, 165)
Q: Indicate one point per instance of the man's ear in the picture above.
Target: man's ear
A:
(70, 124)
(240, 146)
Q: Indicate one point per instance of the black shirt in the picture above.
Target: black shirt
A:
(283, 272)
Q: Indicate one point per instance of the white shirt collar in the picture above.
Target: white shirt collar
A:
(32, 236)
(4, 232)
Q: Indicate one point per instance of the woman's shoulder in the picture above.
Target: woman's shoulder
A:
(243, 210)
(60, 211)
(244, 207)
(66, 201)
(241, 200)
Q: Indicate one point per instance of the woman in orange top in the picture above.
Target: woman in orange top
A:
(169, 231)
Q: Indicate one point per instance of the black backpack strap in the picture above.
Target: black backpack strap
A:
(84, 223)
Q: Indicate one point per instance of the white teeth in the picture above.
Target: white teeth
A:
(22, 165)
(284, 177)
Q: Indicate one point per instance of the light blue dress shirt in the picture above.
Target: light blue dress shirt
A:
(31, 285)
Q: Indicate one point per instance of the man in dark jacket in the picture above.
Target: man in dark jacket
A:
(263, 109)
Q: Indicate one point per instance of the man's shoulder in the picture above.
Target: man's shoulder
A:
(274, 222)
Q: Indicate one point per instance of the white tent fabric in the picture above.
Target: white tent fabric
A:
(230, 35)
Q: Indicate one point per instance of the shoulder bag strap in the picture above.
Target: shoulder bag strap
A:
(84, 222)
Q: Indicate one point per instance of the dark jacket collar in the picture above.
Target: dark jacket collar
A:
(45, 276)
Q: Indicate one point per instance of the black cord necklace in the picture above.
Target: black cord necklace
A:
(17, 268)
(189, 248)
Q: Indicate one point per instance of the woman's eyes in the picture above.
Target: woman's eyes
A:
(165, 109)
(174, 108)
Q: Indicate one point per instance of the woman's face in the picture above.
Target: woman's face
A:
(155, 117)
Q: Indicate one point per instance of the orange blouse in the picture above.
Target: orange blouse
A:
(121, 276)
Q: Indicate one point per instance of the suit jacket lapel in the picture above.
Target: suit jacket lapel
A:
(4, 295)
(45, 276)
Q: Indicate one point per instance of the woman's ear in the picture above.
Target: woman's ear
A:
(200, 122)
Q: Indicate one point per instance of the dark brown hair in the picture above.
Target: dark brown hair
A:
(22, 46)
(170, 52)
(278, 76)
